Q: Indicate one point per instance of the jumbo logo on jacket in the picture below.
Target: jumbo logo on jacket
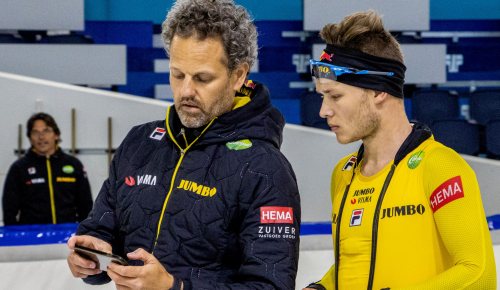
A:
(141, 179)
(199, 189)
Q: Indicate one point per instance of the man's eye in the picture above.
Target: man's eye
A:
(202, 79)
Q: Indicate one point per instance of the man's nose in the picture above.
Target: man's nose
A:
(325, 111)
(188, 89)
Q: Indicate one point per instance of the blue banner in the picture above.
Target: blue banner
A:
(27, 235)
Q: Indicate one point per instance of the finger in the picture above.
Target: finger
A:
(125, 271)
(89, 242)
(80, 261)
(141, 254)
(86, 271)
(120, 280)
(71, 243)
(81, 272)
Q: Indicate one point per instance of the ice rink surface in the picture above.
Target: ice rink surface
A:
(33, 271)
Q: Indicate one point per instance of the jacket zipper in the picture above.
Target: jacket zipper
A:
(51, 191)
(174, 175)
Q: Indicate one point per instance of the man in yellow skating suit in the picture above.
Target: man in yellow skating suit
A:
(407, 210)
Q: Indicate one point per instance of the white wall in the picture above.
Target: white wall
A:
(81, 64)
(42, 15)
(398, 15)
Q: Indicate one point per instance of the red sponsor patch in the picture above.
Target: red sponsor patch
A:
(276, 215)
(447, 192)
(130, 181)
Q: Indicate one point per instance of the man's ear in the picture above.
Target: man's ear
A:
(380, 97)
(239, 75)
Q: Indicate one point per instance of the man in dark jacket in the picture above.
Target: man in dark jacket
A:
(46, 186)
(203, 199)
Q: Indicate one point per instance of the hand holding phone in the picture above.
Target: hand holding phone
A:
(102, 259)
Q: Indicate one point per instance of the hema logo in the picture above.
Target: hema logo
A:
(141, 179)
(197, 188)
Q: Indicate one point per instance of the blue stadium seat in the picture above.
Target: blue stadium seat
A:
(310, 103)
(485, 106)
(460, 135)
(432, 105)
(493, 138)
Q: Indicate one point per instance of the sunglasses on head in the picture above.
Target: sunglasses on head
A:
(329, 71)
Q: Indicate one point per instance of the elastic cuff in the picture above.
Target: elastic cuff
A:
(176, 285)
(316, 286)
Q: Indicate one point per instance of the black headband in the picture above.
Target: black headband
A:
(353, 58)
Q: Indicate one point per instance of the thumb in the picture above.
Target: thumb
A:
(141, 254)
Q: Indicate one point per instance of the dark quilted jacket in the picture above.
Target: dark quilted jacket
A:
(228, 200)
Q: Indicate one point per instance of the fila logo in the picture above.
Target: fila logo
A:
(158, 133)
(276, 215)
(447, 192)
(350, 163)
(356, 217)
(141, 179)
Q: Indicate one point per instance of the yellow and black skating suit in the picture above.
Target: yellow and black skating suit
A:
(419, 223)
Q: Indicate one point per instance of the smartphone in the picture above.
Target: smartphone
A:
(102, 259)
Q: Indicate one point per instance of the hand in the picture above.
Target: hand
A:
(79, 266)
(150, 276)
(308, 289)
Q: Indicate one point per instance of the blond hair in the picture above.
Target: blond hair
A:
(363, 31)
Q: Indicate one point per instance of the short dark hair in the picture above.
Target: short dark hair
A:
(49, 121)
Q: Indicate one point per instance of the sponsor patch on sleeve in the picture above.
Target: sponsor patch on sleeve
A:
(276, 215)
(447, 192)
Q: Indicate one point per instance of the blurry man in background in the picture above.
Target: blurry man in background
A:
(46, 186)
(202, 199)
(407, 210)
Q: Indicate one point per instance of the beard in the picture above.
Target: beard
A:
(367, 122)
(206, 111)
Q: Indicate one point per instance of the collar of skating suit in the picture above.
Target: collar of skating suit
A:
(418, 135)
